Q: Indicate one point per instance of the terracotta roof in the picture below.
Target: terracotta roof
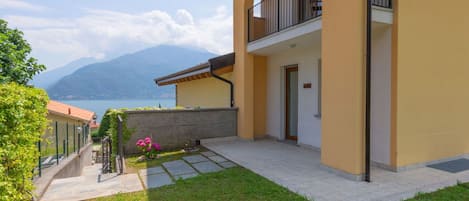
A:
(70, 111)
(94, 124)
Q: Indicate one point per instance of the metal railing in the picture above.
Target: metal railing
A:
(271, 16)
(382, 3)
(62, 140)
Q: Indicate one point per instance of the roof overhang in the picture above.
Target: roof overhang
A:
(220, 65)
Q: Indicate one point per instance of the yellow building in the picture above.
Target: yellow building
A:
(388, 90)
(70, 128)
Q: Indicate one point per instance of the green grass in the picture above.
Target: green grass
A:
(459, 192)
(231, 184)
(134, 166)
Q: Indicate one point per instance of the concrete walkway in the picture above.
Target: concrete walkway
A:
(299, 170)
(86, 186)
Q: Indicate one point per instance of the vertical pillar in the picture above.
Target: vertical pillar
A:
(243, 72)
(343, 89)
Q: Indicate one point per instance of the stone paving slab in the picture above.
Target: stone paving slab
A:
(157, 180)
(178, 167)
(208, 153)
(206, 167)
(186, 176)
(150, 171)
(195, 159)
(227, 164)
(218, 159)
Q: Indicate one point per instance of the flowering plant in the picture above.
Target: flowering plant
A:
(148, 147)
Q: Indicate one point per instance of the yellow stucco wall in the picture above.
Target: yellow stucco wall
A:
(430, 81)
(205, 93)
(243, 71)
(343, 57)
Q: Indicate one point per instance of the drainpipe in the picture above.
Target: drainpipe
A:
(368, 92)
(224, 80)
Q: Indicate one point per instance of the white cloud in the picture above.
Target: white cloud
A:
(103, 33)
(21, 5)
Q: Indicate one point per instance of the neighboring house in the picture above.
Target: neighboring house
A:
(300, 73)
(206, 85)
(78, 122)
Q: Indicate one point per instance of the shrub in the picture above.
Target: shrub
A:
(104, 127)
(148, 147)
(23, 119)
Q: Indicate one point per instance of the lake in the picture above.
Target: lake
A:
(100, 106)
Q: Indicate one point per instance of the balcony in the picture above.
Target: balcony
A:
(271, 16)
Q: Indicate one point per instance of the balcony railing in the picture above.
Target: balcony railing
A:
(271, 16)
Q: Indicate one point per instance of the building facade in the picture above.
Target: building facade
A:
(300, 74)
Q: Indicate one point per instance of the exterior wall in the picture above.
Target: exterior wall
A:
(343, 89)
(174, 128)
(429, 81)
(204, 93)
(381, 94)
(243, 71)
(309, 127)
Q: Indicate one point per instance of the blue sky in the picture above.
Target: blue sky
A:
(61, 31)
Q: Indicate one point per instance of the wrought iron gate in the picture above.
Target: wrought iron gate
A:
(106, 150)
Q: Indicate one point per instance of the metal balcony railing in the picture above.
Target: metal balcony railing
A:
(271, 16)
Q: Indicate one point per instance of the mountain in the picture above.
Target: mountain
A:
(48, 78)
(129, 76)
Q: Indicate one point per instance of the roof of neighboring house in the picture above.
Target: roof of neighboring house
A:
(220, 65)
(62, 109)
(94, 124)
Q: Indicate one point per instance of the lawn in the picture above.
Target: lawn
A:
(459, 192)
(232, 184)
(133, 165)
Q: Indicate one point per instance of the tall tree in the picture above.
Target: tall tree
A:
(15, 63)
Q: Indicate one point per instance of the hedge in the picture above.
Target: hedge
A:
(23, 119)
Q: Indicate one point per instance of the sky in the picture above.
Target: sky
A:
(61, 31)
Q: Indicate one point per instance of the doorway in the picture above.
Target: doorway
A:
(291, 102)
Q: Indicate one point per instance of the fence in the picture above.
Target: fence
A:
(60, 141)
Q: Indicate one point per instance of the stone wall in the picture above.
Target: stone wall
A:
(174, 128)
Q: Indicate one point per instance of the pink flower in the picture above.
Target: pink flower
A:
(148, 148)
(147, 140)
(140, 142)
(156, 146)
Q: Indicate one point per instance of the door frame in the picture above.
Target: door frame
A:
(289, 68)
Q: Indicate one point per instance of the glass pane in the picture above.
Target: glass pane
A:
(293, 103)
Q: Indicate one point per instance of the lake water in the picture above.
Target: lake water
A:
(100, 106)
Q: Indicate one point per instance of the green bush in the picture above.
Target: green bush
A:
(23, 119)
(104, 125)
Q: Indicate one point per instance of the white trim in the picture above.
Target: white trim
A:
(286, 34)
(382, 15)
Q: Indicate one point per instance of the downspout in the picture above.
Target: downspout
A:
(224, 80)
(368, 93)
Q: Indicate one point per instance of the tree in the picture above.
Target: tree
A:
(15, 63)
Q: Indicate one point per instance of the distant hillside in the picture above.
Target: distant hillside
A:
(129, 76)
(48, 78)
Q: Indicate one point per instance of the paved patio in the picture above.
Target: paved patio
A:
(299, 170)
